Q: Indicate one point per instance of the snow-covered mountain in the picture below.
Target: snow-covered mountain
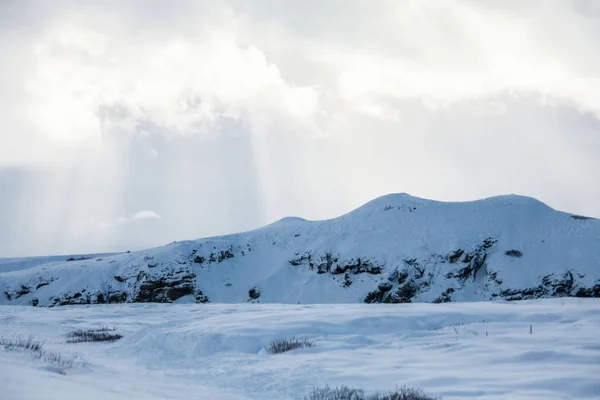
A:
(394, 249)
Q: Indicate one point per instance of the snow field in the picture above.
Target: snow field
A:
(216, 351)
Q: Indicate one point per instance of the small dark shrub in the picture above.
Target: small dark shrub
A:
(289, 344)
(403, 393)
(254, 293)
(102, 334)
(338, 393)
(513, 253)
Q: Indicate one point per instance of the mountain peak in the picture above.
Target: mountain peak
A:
(396, 248)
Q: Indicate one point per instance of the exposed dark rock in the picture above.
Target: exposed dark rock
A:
(119, 279)
(165, 287)
(357, 267)
(224, 255)
(550, 286)
(347, 280)
(444, 297)
(296, 262)
(78, 258)
(201, 297)
(403, 294)
(376, 296)
(524, 294)
(198, 259)
(402, 277)
(119, 297)
(44, 282)
(23, 290)
(406, 292)
(174, 293)
(474, 261)
(489, 242)
(142, 275)
(454, 257)
(581, 217)
(593, 291)
(165, 290)
(419, 269)
(326, 263)
(67, 299)
(385, 287)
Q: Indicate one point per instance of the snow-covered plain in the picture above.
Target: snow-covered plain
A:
(216, 351)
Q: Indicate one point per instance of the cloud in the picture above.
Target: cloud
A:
(138, 217)
(186, 78)
(146, 214)
(238, 113)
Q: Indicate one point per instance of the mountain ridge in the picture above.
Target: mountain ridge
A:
(396, 248)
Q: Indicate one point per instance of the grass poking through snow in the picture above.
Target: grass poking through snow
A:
(347, 393)
(60, 362)
(288, 344)
(102, 334)
(31, 344)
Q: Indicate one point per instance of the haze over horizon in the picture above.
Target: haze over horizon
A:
(129, 125)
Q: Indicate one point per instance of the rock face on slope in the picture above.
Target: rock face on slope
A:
(395, 249)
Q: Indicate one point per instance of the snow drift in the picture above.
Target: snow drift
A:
(394, 249)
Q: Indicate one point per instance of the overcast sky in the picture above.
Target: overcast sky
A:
(129, 124)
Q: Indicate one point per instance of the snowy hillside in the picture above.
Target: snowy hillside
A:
(395, 249)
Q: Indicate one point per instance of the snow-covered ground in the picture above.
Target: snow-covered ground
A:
(215, 351)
